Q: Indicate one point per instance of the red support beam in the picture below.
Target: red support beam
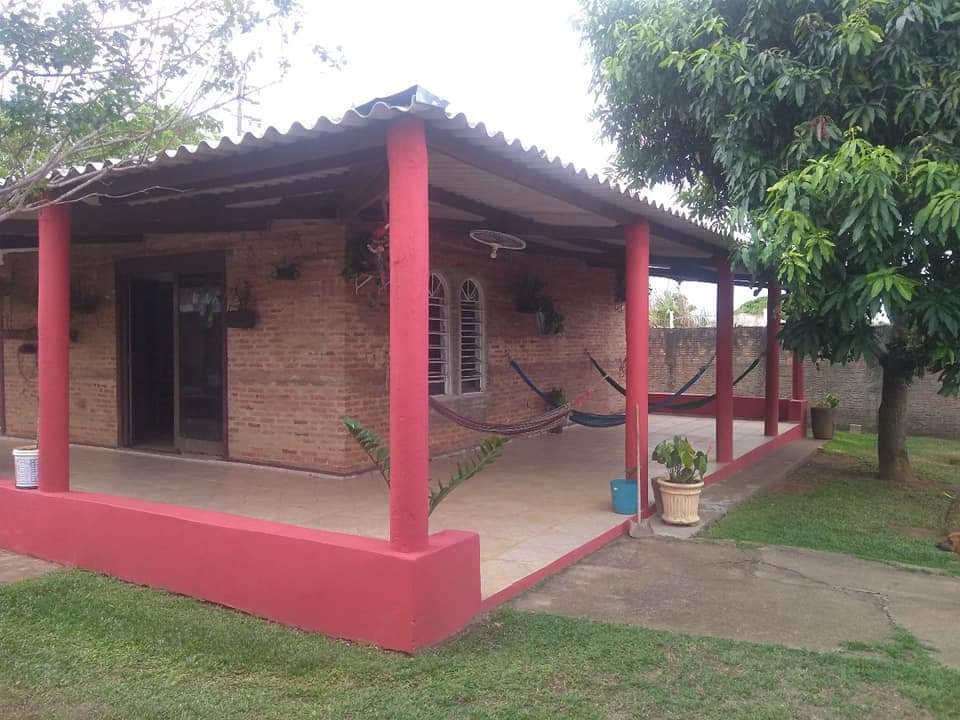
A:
(724, 382)
(637, 318)
(772, 405)
(799, 384)
(409, 273)
(53, 340)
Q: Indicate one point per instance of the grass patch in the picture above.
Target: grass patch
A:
(77, 645)
(843, 507)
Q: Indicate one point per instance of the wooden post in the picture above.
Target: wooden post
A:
(637, 319)
(53, 351)
(724, 375)
(771, 415)
(409, 281)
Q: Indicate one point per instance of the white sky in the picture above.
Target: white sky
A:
(516, 65)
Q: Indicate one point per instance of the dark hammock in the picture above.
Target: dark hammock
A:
(588, 419)
(527, 427)
(671, 401)
(580, 417)
(623, 391)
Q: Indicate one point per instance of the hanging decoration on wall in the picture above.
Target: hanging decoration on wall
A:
(367, 258)
(529, 298)
(240, 312)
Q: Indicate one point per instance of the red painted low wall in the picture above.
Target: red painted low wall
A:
(744, 407)
(341, 585)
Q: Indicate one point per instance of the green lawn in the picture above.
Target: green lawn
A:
(76, 645)
(836, 503)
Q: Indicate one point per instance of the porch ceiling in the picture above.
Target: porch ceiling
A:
(336, 169)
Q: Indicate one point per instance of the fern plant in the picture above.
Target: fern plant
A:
(372, 444)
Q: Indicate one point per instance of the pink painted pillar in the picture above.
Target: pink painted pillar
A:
(771, 414)
(637, 318)
(799, 383)
(724, 383)
(409, 274)
(53, 351)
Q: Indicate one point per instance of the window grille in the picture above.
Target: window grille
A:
(471, 338)
(438, 339)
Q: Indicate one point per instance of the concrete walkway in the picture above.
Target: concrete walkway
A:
(788, 596)
(15, 567)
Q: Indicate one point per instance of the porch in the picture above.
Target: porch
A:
(545, 499)
(406, 185)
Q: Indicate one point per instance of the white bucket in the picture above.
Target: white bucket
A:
(26, 461)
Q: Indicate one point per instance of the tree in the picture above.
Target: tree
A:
(671, 308)
(114, 82)
(826, 133)
(754, 306)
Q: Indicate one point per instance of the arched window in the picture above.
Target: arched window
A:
(438, 368)
(471, 338)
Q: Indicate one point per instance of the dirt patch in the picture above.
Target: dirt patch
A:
(793, 486)
(921, 533)
(949, 459)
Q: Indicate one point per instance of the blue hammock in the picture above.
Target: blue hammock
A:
(587, 419)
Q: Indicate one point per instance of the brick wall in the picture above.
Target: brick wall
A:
(676, 354)
(285, 376)
(319, 350)
(583, 295)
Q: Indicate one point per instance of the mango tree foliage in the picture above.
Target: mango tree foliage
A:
(90, 80)
(826, 133)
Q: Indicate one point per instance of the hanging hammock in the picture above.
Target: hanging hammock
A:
(580, 417)
(527, 427)
(623, 391)
(671, 401)
(597, 420)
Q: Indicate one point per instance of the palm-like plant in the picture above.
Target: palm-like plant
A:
(372, 444)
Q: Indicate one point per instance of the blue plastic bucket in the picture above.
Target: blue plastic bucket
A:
(624, 496)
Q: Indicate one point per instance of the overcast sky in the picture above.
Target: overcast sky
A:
(516, 65)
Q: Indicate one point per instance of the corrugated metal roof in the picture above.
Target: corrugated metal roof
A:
(421, 103)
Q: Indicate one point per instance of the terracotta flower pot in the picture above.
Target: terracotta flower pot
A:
(822, 422)
(680, 502)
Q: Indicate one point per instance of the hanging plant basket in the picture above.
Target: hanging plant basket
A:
(241, 314)
(241, 319)
(286, 271)
(529, 295)
(549, 321)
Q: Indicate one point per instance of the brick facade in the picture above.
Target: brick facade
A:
(319, 350)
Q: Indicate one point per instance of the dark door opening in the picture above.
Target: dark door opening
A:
(151, 354)
(172, 354)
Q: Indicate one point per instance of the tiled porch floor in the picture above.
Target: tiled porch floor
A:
(544, 498)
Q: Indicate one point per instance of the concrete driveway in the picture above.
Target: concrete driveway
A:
(789, 596)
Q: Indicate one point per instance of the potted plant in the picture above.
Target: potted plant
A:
(529, 293)
(678, 494)
(555, 399)
(822, 417)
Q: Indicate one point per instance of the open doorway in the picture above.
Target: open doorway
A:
(151, 359)
(172, 354)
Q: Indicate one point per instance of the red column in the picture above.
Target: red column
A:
(409, 273)
(637, 318)
(724, 384)
(799, 383)
(53, 340)
(771, 415)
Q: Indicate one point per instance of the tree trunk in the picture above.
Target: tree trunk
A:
(892, 421)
